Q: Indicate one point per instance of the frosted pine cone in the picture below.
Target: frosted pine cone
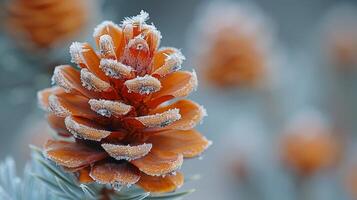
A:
(340, 36)
(309, 146)
(46, 22)
(351, 179)
(231, 45)
(113, 107)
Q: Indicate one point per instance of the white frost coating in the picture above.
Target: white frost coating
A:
(143, 85)
(139, 43)
(119, 175)
(176, 165)
(177, 57)
(203, 112)
(59, 79)
(128, 32)
(56, 108)
(139, 19)
(127, 152)
(103, 25)
(194, 80)
(196, 119)
(160, 119)
(76, 50)
(106, 46)
(108, 108)
(172, 63)
(209, 143)
(115, 69)
(84, 132)
(117, 186)
(156, 35)
(189, 87)
(92, 82)
(154, 29)
(40, 101)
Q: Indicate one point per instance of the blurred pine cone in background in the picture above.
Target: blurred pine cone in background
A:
(111, 106)
(351, 180)
(44, 23)
(231, 45)
(308, 145)
(340, 36)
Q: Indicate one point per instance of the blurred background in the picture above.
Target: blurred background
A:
(277, 77)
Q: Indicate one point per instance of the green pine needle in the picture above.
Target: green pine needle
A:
(44, 180)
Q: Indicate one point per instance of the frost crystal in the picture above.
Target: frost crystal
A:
(137, 20)
(106, 46)
(127, 152)
(56, 107)
(194, 80)
(160, 119)
(83, 131)
(117, 186)
(172, 63)
(115, 69)
(59, 79)
(104, 25)
(76, 50)
(104, 112)
(108, 108)
(92, 82)
(143, 85)
(176, 58)
(189, 87)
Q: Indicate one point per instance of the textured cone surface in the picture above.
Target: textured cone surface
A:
(46, 22)
(112, 107)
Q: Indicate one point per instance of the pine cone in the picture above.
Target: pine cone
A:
(46, 22)
(113, 107)
(340, 36)
(233, 52)
(350, 180)
(309, 146)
